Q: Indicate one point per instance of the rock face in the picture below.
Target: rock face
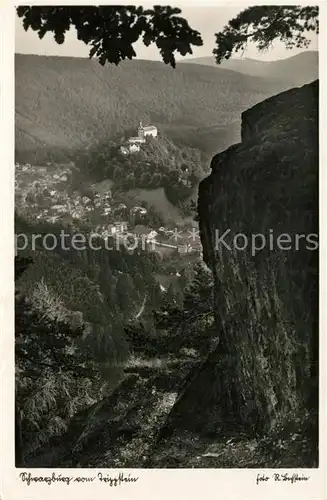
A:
(264, 193)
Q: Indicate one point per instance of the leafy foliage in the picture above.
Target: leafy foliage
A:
(262, 25)
(111, 31)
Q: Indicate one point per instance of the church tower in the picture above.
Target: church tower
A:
(141, 131)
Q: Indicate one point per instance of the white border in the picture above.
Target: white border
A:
(154, 484)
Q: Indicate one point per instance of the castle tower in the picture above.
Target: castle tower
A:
(141, 131)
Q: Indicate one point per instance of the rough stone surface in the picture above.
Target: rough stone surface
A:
(264, 367)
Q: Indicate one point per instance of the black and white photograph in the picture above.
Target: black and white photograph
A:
(167, 238)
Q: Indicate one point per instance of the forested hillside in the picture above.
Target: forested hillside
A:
(158, 164)
(67, 103)
(72, 309)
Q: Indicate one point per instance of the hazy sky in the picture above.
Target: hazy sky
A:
(206, 20)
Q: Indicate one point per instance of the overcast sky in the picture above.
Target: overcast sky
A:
(206, 20)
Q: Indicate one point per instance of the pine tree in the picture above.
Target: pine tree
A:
(48, 359)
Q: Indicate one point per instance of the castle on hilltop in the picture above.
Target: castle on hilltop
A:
(134, 142)
(150, 130)
(142, 133)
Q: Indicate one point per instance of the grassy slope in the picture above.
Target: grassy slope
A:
(65, 103)
(297, 69)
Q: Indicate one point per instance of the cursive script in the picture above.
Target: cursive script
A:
(292, 478)
(118, 480)
(28, 478)
(54, 478)
(282, 477)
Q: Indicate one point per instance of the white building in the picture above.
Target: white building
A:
(133, 145)
(136, 140)
(150, 130)
(134, 148)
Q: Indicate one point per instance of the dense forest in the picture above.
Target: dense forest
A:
(81, 315)
(65, 104)
(159, 163)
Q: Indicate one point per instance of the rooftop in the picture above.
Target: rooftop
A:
(149, 127)
(136, 139)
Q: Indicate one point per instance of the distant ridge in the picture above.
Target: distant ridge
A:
(298, 69)
(64, 103)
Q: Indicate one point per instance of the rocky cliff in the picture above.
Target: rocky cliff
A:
(258, 212)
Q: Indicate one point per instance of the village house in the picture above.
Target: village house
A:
(121, 227)
(52, 219)
(121, 206)
(134, 148)
(140, 210)
(97, 202)
(76, 215)
(59, 208)
(112, 229)
(186, 249)
(152, 235)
